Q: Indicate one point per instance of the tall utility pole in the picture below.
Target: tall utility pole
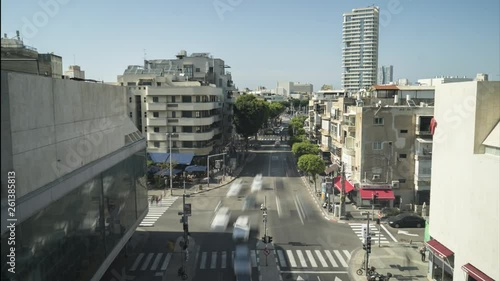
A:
(169, 136)
(342, 191)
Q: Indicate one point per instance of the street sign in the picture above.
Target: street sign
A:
(266, 252)
(187, 209)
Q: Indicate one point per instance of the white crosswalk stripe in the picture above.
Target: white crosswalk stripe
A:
(288, 258)
(357, 228)
(157, 210)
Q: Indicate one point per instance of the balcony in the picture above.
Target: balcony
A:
(423, 149)
(157, 137)
(202, 136)
(196, 121)
(156, 106)
(195, 106)
(156, 121)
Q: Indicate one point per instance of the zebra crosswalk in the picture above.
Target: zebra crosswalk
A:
(224, 259)
(358, 230)
(157, 210)
(270, 138)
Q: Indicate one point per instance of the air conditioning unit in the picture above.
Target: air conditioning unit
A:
(395, 184)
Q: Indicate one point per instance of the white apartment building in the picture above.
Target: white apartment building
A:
(171, 111)
(293, 89)
(360, 36)
(438, 80)
(75, 71)
(465, 193)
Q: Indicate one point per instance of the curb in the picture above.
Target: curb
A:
(318, 204)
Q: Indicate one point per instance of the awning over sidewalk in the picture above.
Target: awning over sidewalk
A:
(439, 249)
(383, 194)
(476, 273)
(347, 185)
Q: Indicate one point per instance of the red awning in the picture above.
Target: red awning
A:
(383, 194)
(338, 184)
(476, 273)
(439, 249)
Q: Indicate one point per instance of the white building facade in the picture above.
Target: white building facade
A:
(360, 36)
(465, 194)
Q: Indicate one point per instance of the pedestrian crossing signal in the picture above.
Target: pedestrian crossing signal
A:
(269, 239)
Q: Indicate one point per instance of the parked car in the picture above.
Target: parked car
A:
(406, 220)
(241, 230)
(242, 266)
(221, 219)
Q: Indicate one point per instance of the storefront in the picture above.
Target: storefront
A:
(441, 261)
(382, 193)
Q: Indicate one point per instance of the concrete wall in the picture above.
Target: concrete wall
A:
(58, 126)
(465, 186)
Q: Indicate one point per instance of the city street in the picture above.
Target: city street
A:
(305, 244)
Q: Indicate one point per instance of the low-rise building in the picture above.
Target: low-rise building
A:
(463, 221)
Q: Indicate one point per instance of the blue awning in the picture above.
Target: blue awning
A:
(182, 158)
(191, 169)
(166, 172)
(158, 157)
(153, 169)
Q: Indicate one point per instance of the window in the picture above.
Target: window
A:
(172, 98)
(157, 129)
(156, 99)
(131, 83)
(173, 114)
(186, 98)
(402, 180)
(198, 98)
(378, 121)
(158, 84)
(156, 144)
(377, 145)
(130, 114)
(402, 155)
(144, 99)
(403, 131)
(174, 143)
(197, 114)
(174, 129)
(197, 69)
(156, 114)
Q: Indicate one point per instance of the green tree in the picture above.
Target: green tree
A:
(296, 139)
(302, 148)
(326, 87)
(275, 110)
(250, 114)
(297, 125)
(312, 165)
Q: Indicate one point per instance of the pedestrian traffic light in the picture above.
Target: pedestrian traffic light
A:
(364, 246)
(269, 239)
(264, 239)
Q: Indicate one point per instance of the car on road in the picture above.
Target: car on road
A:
(406, 220)
(257, 183)
(277, 143)
(249, 203)
(234, 189)
(221, 219)
(241, 230)
(242, 266)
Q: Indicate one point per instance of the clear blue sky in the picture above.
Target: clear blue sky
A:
(263, 41)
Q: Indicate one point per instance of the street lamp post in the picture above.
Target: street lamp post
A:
(169, 136)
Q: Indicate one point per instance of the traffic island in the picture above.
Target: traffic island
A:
(267, 263)
(181, 258)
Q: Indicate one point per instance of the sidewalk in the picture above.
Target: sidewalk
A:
(194, 189)
(403, 261)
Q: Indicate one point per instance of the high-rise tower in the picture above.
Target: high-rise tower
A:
(360, 52)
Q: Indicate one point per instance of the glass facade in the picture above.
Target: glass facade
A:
(69, 239)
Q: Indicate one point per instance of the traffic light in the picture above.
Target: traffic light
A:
(185, 227)
(369, 244)
(364, 246)
(269, 239)
(264, 239)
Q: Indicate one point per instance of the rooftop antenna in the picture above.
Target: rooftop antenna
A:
(74, 59)
(144, 54)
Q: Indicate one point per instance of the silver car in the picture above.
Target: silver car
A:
(242, 266)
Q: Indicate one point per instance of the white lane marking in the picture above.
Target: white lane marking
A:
(224, 259)
(137, 261)
(390, 235)
(311, 258)
(203, 260)
(301, 258)
(146, 262)
(253, 258)
(298, 210)
(291, 259)
(341, 259)
(281, 258)
(347, 254)
(330, 258)
(156, 261)
(278, 206)
(217, 207)
(321, 259)
(166, 261)
(313, 272)
(213, 262)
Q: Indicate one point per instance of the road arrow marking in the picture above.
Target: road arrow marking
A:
(300, 278)
(337, 279)
(406, 233)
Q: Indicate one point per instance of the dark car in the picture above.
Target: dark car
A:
(406, 220)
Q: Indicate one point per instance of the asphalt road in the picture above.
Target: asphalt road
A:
(307, 246)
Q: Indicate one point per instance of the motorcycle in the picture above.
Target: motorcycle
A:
(378, 277)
